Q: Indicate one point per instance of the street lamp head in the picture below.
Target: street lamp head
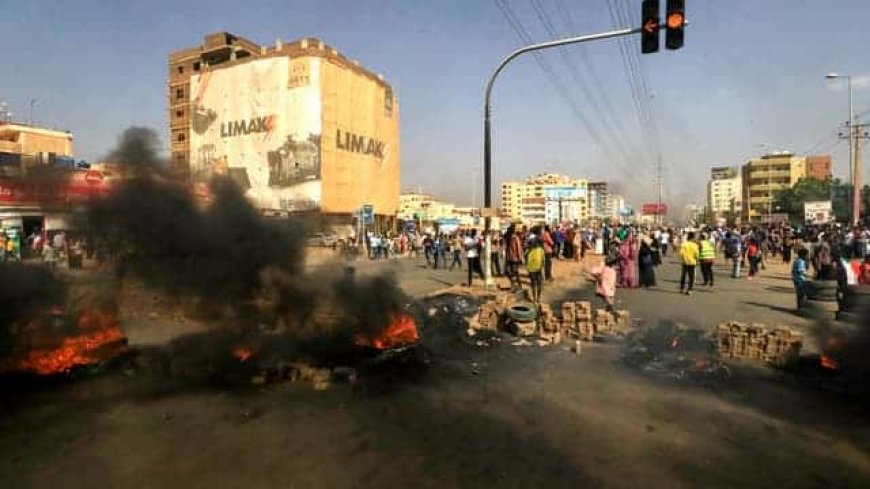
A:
(832, 76)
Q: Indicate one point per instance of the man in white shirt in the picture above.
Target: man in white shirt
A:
(472, 255)
(664, 240)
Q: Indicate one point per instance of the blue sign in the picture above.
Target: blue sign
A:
(368, 212)
(410, 227)
(565, 193)
(449, 221)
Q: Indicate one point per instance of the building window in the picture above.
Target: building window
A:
(180, 69)
(179, 93)
(196, 65)
(388, 102)
(181, 137)
(179, 113)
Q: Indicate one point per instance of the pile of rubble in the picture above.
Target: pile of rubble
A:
(574, 321)
(755, 342)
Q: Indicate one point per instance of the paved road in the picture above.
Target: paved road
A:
(767, 300)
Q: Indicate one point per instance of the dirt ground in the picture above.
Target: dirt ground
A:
(493, 416)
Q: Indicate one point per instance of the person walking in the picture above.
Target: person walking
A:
(49, 256)
(536, 259)
(689, 254)
(427, 248)
(646, 263)
(628, 262)
(605, 283)
(733, 245)
(752, 255)
(513, 255)
(549, 245)
(664, 240)
(495, 254)
(787, 245)
(472, 255)
(799, 277)
(437, 244)
(707, 255)
(456, 246)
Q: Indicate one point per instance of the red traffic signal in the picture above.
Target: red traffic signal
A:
(649, 36)
(675, 21)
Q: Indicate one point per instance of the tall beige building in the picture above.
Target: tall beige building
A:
(763, 177)
(725, 191)
(298, 125)
(545, 198)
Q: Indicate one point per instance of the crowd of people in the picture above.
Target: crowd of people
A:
(52, 249)
(632, 253)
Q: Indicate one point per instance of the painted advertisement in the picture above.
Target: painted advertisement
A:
(818, 212)
(260, 124)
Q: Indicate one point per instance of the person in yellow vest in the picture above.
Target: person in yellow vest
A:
(707, 255)
(689, 257)
(535, 259)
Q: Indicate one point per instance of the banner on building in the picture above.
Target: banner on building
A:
(654, 209)
(260, 124)
(819, 212)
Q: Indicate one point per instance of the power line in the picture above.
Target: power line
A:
(551, 76)
(607, 117)
(640, 92)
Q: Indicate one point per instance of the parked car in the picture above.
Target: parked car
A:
(322, 239)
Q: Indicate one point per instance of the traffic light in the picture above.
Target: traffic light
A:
(675, 21)
(649, 38)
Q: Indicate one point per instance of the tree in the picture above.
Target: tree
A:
(791, 200)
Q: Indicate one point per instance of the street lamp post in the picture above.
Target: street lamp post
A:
(853, 169)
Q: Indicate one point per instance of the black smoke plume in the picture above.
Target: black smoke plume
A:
(25, 292)
(240, 270)
(138, 147)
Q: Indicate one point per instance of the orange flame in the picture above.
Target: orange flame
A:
(827, 358)
(242, 353)
(828, 362)
(38, 354)
(401, 331)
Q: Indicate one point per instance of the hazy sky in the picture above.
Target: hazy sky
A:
(751, 74)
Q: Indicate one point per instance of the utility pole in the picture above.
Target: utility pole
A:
(856, 197)
(660, 182)
(855, 135)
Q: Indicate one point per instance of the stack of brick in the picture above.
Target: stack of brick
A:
(622, 321)
(548, 321)
(569, 319)
(490, 316)
(754, 342)
(604, 321)
(583, 316)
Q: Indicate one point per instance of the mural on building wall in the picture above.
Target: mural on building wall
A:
(259, 123)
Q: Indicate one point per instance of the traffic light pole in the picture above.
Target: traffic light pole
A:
(487, 126)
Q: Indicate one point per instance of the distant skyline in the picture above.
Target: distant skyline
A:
(751, 73)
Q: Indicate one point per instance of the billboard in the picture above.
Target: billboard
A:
(654, 209)
(819, 212)
(260, 124)
(565, 192)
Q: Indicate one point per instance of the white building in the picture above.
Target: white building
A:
(544, 198)
(724, 191)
